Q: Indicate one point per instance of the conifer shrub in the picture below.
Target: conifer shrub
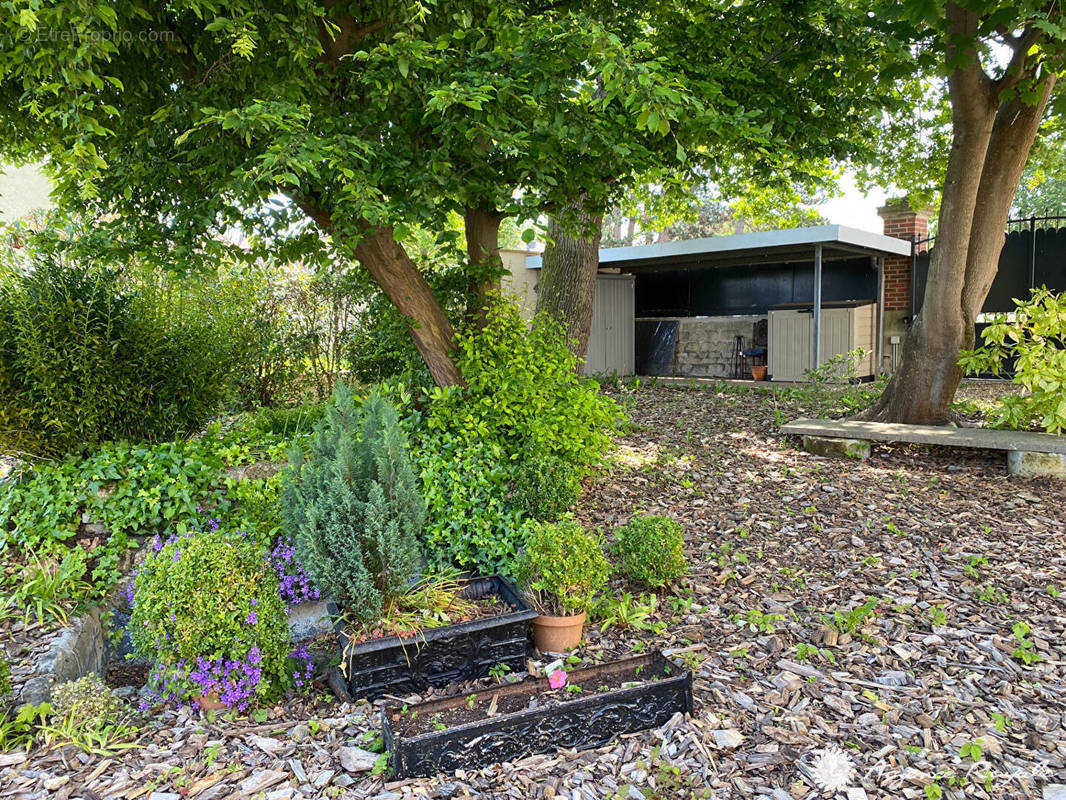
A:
(652, 550)
(353, 507)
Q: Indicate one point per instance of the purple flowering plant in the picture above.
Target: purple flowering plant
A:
(208, 611)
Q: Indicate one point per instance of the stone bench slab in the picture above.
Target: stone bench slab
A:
(981, 438)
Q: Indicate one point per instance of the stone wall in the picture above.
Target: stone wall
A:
(705, 345)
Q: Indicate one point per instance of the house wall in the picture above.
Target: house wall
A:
(705, 344)
(900, 222)
(519, 281)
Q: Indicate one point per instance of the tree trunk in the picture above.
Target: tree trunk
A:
(398, 276)
(990, 145)
(568, 278)
(400, 279)
(483, 252)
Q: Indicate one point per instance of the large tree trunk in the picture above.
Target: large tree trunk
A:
(398, 276)
(400, 279)
(990, 145)
(483, 252)
(568, 277)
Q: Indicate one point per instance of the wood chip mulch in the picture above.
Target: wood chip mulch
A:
(925, 688)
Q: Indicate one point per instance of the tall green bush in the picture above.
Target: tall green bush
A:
(524, 408)
(1033, 337)
(91, 351)
(353, 508)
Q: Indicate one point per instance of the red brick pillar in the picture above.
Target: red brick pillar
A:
(901, 222)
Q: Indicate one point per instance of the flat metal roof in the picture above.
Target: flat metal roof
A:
(765, 247)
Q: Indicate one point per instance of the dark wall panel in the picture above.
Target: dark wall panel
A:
(722, 291)
(1013, 277)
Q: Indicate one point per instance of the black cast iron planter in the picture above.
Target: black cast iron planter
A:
(556, 719)
(439, 656)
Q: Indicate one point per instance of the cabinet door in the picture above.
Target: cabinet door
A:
(789, 345)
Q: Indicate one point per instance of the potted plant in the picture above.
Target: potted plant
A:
(355, 515)
(562, 568)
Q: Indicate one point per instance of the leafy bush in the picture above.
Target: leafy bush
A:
(562, 566)
(5, 678)
(523, 392)
(544, 487)
(1034, 338)
(208, 613)
(652, 550)
(479, 444)
(470, 521)
(93, 352)
(300, 326)
(354, 510)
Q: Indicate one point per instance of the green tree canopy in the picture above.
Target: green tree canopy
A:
(331, 127)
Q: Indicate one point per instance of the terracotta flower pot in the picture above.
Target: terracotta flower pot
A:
(209, 702)
(558, 634)
(758, 373)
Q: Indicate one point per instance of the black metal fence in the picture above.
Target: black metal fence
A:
(1033, 255)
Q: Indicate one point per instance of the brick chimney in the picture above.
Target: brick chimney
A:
(901, 222)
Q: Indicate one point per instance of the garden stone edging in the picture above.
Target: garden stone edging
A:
(77, 650)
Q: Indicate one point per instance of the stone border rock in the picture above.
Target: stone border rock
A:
(77, 650)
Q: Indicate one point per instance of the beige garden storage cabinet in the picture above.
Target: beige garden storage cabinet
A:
(845, 327)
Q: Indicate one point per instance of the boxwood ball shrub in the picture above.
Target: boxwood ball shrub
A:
(652, 550)
(562, 566)
(353, 507)
(207, 612)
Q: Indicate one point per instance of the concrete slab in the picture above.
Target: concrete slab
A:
(1036, 465)
(836, 448)
(981, 438)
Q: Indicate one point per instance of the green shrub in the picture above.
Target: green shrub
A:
(207, 612)
(522, 397)
(470, 522)
(544, 487)
(652, 550)
(562, 566)
(1034, 337)
(93, 352)
(5, 678)
(353, 509)
(523, 392)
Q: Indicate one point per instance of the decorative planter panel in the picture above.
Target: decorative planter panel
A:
(437, 657)
(532, 718)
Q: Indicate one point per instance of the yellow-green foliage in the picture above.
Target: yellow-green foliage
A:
(563, 566)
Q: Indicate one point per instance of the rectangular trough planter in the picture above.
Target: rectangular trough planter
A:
(453, 733)
(439, 656)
